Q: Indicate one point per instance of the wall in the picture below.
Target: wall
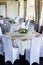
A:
(2, 10)
(12, 9)
(21, 9)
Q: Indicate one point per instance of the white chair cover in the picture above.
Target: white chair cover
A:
(14, 27)
(17, 19)
(15, 54)
(7, 48)
(23, 25)
(35, 50)
(42, 32)
(27, 51)
(11, 28)
(28, 23)
(1, 44)
(31, 27)
(1, 22)
(8, 26)
(0, 32)
(11, 53)
(1, 48)
(41, 49)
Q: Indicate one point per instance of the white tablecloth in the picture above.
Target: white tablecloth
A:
(24, 41)
(22, 44)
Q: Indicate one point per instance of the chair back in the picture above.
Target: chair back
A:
(15, 54)
(0, 32)
(1, 47)
(1, 22)
(31, 27)
(41, 49)
(35, 50)
(23, 25)
(7, 48)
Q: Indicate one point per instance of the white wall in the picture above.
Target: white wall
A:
(2, 10)
(12, 9)
(21, 9)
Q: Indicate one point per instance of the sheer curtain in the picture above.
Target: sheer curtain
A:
(2, 10)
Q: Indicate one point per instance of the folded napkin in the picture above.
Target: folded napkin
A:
(38, 35)
(25, 38)
(6, 33)
(15, 43)
(14, 38)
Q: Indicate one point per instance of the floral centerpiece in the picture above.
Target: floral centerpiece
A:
(12, 21)
(23, 31)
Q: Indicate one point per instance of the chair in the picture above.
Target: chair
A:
(41, 29)
(23, 25)
(3, 27)
(11, 53)
(1, 47)
(1, 43)
(0, 32)
(7, 43)
(27, 55)
(15, 53)
(1, 22)
(14, 27)
(0, 37)
(36, 27)
(27, 23)
(35, 50)
(1, 17)
(35, 63)
(41, 49)
(17, 19)
(31, 27)
(8, 27)
(27, 51)
(8, 63)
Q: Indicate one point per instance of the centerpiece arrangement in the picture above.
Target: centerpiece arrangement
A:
(22, 31)
(12, 21)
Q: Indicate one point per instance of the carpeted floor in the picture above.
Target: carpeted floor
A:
(41, 61)
(24, 62)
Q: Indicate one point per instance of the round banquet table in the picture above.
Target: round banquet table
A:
(23, 41)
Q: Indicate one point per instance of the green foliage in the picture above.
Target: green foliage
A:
(12, 21)
(24, 31)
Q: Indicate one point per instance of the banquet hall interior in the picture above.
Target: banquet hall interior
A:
(21, 32)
